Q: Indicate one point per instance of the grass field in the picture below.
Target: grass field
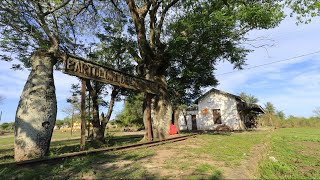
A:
(64, 142)
(296, 155)
(283, 153)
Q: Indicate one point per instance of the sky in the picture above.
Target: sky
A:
(293, 86)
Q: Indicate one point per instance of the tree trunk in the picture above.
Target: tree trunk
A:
(105, 121)
(97, 134)
(37, 110)
(89, 114)
(72, 116)
(83, 115)
(103, 126)
(161, 111)
(176, 114)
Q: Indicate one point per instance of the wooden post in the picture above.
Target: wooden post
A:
(83, 115)
(89, 113)
(148, 110)
(72, 115)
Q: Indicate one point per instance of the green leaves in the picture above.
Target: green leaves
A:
(304, 9)
(208, 32)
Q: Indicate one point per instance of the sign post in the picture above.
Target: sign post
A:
(83, 114)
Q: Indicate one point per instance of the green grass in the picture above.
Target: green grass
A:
(63, 142)
(231, 148)
(297, 154)
(91, 167)
(206, 170)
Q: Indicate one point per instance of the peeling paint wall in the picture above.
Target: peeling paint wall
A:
(186, 124)
(228, 109)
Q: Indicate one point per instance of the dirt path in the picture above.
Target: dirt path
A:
(176, 162)
(248, 168)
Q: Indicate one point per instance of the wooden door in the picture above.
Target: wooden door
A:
(194, 122)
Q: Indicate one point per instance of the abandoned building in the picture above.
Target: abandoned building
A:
(219, 110)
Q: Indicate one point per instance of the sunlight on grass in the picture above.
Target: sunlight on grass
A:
(297, 155)
(229, 148)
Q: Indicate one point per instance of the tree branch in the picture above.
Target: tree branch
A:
(57, 8)
(115, 6)
(164, 12)
(153, 19)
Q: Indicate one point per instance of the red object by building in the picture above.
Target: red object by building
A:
(173, 129)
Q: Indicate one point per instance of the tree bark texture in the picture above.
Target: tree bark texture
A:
(83, 115)
(97, 134)
(147, 116)
(161, 112)
(176, 113)
(37, 110)
(153, 63)
(114, 93)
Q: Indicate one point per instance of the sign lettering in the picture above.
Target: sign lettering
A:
(90, 70)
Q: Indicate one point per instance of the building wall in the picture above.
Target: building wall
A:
(181, 121)
(228, 110)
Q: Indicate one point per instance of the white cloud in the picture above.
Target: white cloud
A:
(293, 85)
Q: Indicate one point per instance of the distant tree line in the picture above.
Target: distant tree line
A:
(7, 126)
(277, 118)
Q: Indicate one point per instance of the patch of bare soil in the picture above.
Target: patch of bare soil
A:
(309, 148)
(248, 168)
(155, 164)
(168, 159)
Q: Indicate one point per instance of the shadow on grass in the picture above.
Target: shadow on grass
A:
(111, 166)
(73, 145)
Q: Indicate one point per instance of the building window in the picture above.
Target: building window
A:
(216, 116)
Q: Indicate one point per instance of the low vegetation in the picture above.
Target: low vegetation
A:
(293, 154)
(63, 142)
(289, 153)
(289, 122)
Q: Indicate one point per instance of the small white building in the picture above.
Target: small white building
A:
(216, 109)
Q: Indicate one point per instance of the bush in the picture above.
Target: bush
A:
(7, 126)
(290, 122)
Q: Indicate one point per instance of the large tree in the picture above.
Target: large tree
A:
(269, 108)
(37, 32)
(178, 43)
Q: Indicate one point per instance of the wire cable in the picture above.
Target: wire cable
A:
(274, 62)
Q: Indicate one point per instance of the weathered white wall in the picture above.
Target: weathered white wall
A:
(228, 109)
(181, 121)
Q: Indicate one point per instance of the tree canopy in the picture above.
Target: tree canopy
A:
(269, 108)
(304, 9)
(26, 26)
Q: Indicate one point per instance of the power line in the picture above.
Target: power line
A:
(274, 62)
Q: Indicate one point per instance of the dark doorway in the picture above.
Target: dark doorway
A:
(194, 122)
(216, 116)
